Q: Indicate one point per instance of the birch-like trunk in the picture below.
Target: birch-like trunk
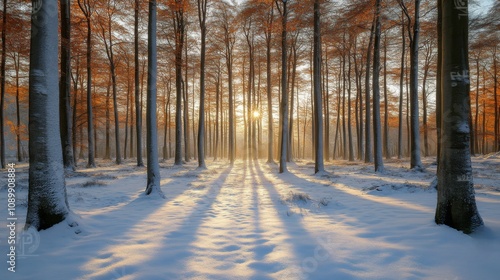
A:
(153, 181)
(377, 131)
(47, 200)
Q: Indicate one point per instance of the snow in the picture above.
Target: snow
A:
(249, 222)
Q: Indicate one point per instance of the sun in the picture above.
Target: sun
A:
(256, 114)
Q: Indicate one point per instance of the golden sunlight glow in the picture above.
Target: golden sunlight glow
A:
(256, 114)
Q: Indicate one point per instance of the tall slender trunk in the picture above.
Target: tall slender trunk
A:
(166, 126)
(292, 98)
(270, 138)
(112, 67)
(153, 181)
(377, 133)
(107, 154)
(318, 139)
(284, 91)
(476, 118)
(179, 41)
(344, 90)
(185, 103)
(90, 114)
(368, 132)
(387, 152)
(424, 122)
(75, 102)
(218, 107)
(202, 16)
(401, 87)
(65, 86)
(415, 161)
(127, 110)
(17, 65)
(349, 122)
(229, 44)
(138, 107)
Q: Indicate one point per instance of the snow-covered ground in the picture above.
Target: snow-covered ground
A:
(249, 222)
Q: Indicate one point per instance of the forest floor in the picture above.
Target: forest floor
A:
(249, 222)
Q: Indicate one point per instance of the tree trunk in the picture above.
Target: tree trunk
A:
(424, 99)
(87, 11)
(368, 132)
(75, 100)
(127, 110)
(270, 141)
(112, 68)
(344, 90)
(107, 154)
(218, 109)
(229, 41)
(377, 133)
(153, 181)
(424, 122)
(292, 97)
(387, 152)
(476, 118)
(185, 103)
(415, 161)
(179, 41)
(65, 86)
(401, 87)
(318, 119)
(47, 200)
(456, 205)
(284, 91)
(202, 16)
(349, 122)
(138, 107)
(17, 65)
(326, 107)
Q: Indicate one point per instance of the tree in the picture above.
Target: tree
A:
(284, 88)
(153, 183)
(87, 10)
(65, 86)
(268, 37)
(179, 25)
(229, 42)
(368, 134)
(318, 114)
(202, 17)
(47, 201)
(138, 107)
(377, 132)
(107, 37)
(456, 204)
(401, 87)
(415, 162)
